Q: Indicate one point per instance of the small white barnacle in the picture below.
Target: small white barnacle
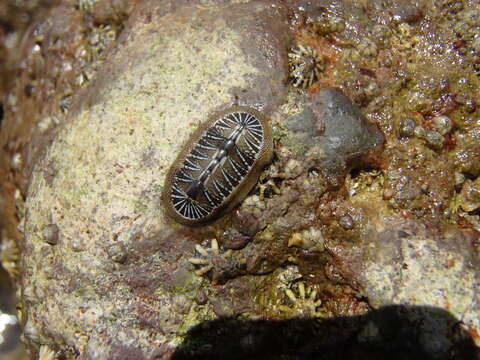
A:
(46, 353)
(304, 303)
(218, 166)
(305, 66)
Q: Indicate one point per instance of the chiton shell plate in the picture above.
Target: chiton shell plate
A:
(218, 166)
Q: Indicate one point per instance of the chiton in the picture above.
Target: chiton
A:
(218, 166)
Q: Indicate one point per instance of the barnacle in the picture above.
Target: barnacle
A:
(304, 303)
(99, 40)
(305, 66)
(65, 103)
(205, 261)
(310, 239)
(269, 182)
(265, 188)
(46, 353)
(219, 265)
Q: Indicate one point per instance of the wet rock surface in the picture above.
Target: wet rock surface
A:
(371, 198)
(410, 264)
(336, 127)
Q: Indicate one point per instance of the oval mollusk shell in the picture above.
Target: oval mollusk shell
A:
(218, 166)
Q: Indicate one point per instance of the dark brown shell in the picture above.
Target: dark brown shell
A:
(204, 182)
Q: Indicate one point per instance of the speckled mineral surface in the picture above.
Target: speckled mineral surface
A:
(361, 239)
(101, 283)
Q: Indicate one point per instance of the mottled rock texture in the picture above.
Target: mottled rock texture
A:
(101, 283)
(408, 263)
(367, 219)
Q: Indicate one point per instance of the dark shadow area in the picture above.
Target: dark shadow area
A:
(392, 332)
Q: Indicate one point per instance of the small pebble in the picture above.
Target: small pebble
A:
(419, 132)
(201, 298)
(424, 188)
(443, 124)
(469, 103)
(346, 222)
(459, 178)
(434, 139)
(17, 161)
(406, 127)
(388, 194)
(78, 244)
(50, 234)
(235, 240)
(245, 223)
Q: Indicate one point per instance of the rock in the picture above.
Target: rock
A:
(467, 155)
(406, 127)
(434, 139)
(419, 132)
(406, 12)
(469, 198)
(407, 263)
(118, 283)
(171, 68)
(50, 234)
(235, 240)
(245, 223)
(331, 122)
(443, 124)
(403, 187)
(346, 222)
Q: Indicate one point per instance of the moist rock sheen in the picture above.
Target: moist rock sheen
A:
(168, 73)
(407, 263)
(331, 122)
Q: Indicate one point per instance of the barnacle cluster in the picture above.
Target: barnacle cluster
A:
(99, 40)
(266, 187)
(305, 66)
(215, 263)
(204, 261)
(304, 303)
(271, 178)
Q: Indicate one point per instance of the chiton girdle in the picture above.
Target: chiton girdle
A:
(218, 166)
